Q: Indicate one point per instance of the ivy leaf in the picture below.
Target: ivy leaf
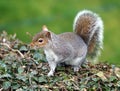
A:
(118, 83)
(44, 89)
(20, 70)
(6, 85)
(95, 79)
(42, 79)
(37, 56)
(3, 66)
(14, 65)
(34, 72)
(15, 85)
(5, 75)
(23, 48)
(20, 89)
(21, 77)
(113, 78)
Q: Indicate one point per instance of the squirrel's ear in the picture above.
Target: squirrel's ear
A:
(48, 34)
(44, 28)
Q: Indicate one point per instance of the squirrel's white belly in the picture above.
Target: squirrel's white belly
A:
(76, 61)
(50, 55)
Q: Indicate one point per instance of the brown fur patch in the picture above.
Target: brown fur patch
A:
(83, 27)
(91, 46)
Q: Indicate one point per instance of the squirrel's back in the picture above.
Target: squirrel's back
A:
(89, 27)
(73, 39)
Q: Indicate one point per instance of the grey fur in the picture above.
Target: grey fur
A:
(70, 47)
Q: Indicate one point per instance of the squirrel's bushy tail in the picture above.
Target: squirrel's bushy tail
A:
(90, 28)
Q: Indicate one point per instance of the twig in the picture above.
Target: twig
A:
(46, 86)
(5, 44)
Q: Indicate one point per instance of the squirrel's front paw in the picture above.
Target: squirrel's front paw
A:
(50, 74)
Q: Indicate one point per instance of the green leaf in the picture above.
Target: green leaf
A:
(42, 79)
(112, 78)
(95, 79)
(3, 66)
(20, 70)
(5, 75)
(6, 85)
(34, 72)
(15, 86)
(14, 65)
(37, 56)
(118, 83)
(45, 89)
(23, 48)
(22, 77)
(20, 89)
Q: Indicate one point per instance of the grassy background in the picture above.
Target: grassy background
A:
(29, 15)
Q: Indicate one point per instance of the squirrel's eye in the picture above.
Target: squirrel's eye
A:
(40, 40)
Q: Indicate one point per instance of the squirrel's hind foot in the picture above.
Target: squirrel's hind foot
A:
(76, 68)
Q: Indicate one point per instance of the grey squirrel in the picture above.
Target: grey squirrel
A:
(72, 48)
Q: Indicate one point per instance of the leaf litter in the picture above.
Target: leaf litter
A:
(23, 68)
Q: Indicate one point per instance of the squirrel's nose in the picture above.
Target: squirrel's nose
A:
(31, 44)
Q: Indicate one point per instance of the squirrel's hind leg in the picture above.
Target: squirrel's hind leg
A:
(76, 68)
(77, 63)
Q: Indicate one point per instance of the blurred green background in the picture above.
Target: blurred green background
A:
(21, 16)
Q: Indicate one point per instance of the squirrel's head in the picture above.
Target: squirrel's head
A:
(41, 39)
